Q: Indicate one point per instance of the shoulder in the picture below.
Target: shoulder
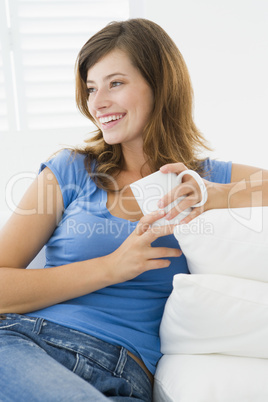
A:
(217, 171)
(66, 163)
(66, 158)
(70, 171)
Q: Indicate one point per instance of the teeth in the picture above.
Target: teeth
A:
(109, 118)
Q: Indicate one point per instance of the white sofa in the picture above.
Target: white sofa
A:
(214, 331)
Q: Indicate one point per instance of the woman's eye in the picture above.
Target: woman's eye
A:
(91, 90)
(116, 83)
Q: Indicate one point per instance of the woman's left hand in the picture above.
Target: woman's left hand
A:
(189, 189)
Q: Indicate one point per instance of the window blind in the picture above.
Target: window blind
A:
(3, 96)
(39, 44)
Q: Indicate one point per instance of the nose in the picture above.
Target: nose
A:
(100, 99)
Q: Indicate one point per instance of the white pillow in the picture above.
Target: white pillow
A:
(228, 242)
(216, 314)
(210, 378)
(209, 316)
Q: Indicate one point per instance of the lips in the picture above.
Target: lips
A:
(108, 119)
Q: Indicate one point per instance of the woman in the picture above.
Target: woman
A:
(95, 311)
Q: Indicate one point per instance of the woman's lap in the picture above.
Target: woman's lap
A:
(30, 374)
(41, 361)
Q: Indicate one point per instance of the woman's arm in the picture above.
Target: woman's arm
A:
(29, 229)
(26, 232)
(248, 188)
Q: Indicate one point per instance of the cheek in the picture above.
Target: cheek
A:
(144, 103)
(148, 101)
(148, 107)
(89, 107)
(91, 111)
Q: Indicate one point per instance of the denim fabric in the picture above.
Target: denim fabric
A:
(43, 361)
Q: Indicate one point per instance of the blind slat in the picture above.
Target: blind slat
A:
(48, 106)
(44, 122)
(110, 9)
(67, 26)
(50, 90)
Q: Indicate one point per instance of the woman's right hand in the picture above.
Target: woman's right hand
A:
(136, 255)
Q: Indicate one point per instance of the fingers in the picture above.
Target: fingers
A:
(147, 220)
(189, 188)
(164, 252)
(146, 256)
(158, 254)
(192, 193)
(173, 168)
(151, 233)
(155, 232)
(157, 264)
(185, 205)
(195, 212)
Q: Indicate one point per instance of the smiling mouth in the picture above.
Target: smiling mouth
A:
(108, 119)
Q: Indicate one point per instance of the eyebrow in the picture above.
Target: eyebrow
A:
(108, 77)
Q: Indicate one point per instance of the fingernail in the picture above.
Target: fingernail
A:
(160, 204)
(163, 169)
(168, 216)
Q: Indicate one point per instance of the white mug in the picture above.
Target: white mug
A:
(150, 189)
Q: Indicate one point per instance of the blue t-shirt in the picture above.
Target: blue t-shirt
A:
(126, 314)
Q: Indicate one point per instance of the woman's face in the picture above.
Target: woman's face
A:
(120, 100)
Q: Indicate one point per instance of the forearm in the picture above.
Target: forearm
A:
(244, 193)
(26, 290)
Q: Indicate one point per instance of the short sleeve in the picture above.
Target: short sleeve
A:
(70, 172)
(217, 171)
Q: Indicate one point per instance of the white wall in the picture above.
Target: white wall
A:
(225, 45)
(21, 154)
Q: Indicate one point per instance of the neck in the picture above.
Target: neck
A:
(135, 161)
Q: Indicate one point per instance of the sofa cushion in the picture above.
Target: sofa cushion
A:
(214, 339)
(210, 378)
(216, 314)
(228, 242)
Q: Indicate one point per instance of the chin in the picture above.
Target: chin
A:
(111, 141)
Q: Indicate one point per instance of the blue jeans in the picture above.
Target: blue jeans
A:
(43, 361)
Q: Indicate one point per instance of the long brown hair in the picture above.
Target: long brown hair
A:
(171, 135)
